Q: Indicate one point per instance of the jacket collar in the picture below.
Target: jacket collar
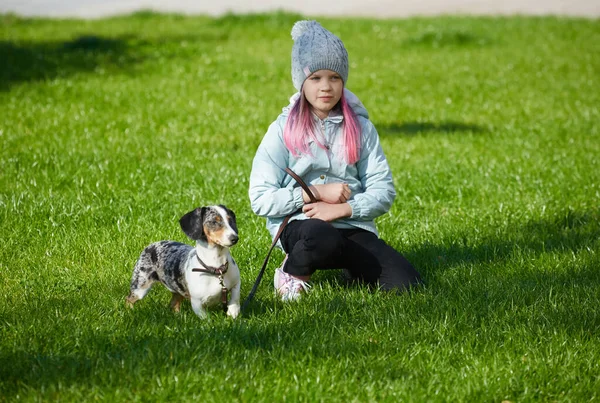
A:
(335, 116)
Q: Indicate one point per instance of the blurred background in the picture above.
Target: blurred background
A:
(372, 8)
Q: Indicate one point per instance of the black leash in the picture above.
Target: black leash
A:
(285, 222)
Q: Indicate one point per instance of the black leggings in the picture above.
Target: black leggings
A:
(314, 244)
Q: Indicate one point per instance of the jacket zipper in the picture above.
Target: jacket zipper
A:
(324, 134)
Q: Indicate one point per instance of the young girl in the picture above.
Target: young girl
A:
(325, 137)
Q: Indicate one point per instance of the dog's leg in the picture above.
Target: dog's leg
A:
(136, 294)
(176, 301)
(141, 281)
(233, 307)
(198, 308)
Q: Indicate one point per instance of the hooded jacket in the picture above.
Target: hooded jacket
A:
(274, 194)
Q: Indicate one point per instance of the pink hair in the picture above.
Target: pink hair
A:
(300, 128)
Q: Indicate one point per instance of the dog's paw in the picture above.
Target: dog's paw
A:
(233, 311)
(130, 300)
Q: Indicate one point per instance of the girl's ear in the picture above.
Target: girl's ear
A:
(192, 224)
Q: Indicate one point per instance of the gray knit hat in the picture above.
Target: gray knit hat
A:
(315, 48)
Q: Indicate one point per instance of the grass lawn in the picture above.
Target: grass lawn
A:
(112, 129)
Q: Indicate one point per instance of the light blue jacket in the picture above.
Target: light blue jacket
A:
(274, 194)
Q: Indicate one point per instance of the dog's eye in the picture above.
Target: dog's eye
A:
(218, 219)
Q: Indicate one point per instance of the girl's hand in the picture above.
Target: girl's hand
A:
(326, 211)
(332, 193)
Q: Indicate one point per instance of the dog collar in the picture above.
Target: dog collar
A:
(211, 269)
(219, 271)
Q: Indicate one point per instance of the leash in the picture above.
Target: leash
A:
(285, 222)
(218, 271)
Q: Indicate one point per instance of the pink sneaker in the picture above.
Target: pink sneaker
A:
(288, 287)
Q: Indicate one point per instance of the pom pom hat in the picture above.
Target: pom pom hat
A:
(315, 48)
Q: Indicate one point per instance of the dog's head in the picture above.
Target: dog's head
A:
(213, 224)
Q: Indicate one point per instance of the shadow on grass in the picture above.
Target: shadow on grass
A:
(415, 128)
(25, 61)
(35, 61)
(571, 231)
(443, 38)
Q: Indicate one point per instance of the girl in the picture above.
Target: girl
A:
(325, 136)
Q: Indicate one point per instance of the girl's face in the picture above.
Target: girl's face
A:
(323, 90)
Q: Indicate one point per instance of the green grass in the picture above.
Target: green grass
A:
(112, 129)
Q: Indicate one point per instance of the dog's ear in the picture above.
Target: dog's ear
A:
(191, 224)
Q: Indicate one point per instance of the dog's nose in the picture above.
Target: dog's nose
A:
(233, 238)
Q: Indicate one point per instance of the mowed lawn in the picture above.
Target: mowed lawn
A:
(112, 129)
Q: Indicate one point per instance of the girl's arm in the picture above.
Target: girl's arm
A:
(375, 176)
(332, 193)
(268, 196)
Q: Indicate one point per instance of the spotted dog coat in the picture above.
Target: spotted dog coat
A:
(171, 263)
